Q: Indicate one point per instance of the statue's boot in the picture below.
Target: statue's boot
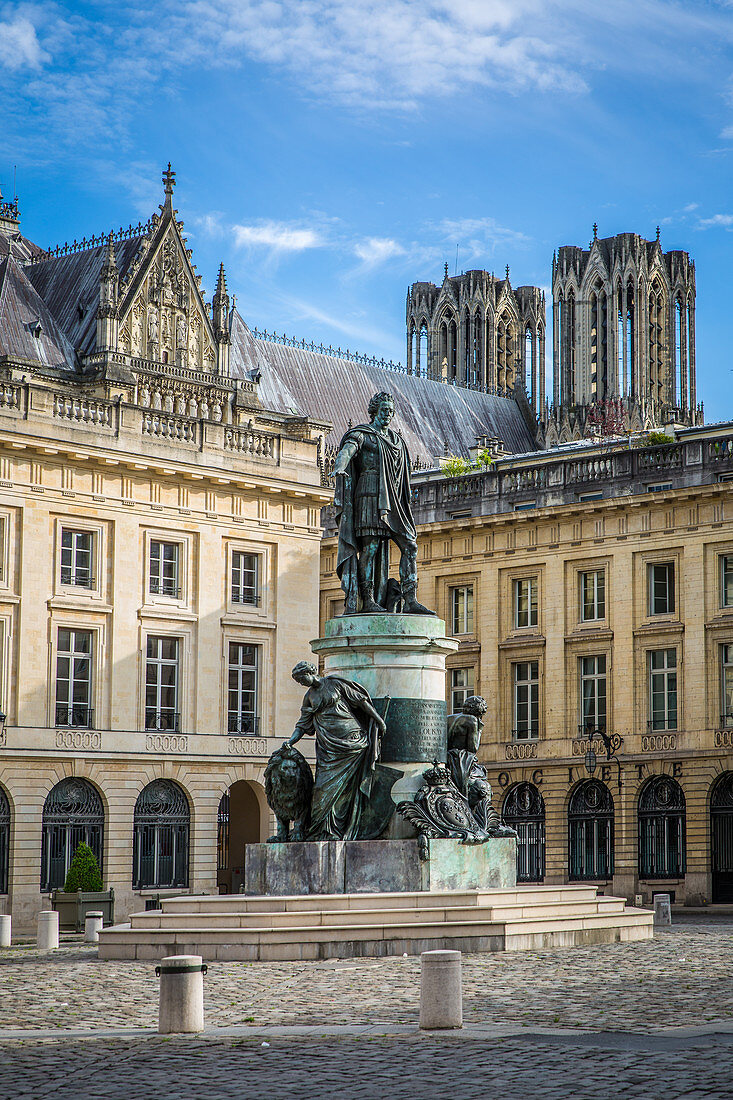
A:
(369, 605)
(410, 605)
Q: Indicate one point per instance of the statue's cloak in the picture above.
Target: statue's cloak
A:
(394, 509)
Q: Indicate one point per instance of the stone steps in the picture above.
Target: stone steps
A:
(355, 925)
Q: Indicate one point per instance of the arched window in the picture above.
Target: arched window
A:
(160, 836)
(662, 838)
(590, 831)
(72, 814)
(4, 841)
(721, 839)
(423, 366)
(524, 810)
(680, 352)
(530, 367)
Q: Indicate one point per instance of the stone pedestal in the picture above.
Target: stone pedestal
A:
(378, 866)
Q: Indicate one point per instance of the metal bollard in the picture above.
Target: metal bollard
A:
(93, 924)
(6, 925)
(181, 1007)
(662, 909)
(441, 993)
(48, 930)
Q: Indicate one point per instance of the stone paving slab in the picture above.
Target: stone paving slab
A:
(683, 978)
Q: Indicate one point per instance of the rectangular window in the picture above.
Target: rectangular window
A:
(525, 602)
(462, 603)
(661, 588)
(726, 686)
(461, 686)
(244, 663)
(164, 558)
(245, 578)
(592, 694)
(74, 678)
(526, 682)
(76, 558)
(593, 595)
(663, 689)
(726, 580)
(161, 684)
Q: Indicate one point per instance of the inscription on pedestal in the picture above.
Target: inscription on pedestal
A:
(416, 730)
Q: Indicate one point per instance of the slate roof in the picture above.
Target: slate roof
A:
(327, 388)
(28, 329)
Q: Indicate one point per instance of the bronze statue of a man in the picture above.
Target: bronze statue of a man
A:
(464, 738)
(372, 502)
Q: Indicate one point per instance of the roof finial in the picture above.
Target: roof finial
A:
(169, 182)
(507, 272)
(446, 270)
(658, 234)
(595, 231)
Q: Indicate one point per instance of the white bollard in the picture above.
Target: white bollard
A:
(93, 923)
(48, 930)
(181, 1007)
(441, 993)
(6, 925)
(662, 909)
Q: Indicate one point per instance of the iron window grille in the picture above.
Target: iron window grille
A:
(74, 715)
(164, 568)
(243, 688)
(4, 841)
(72, 814)
(721, 838)
(524, 810)
(662, 829)
(244, 723)
(161, 826)
(222, 834)
(590, 832)
(76, 558)
(73, 678)
(161, 684)
(245, 578)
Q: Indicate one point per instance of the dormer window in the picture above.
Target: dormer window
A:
(35, 328)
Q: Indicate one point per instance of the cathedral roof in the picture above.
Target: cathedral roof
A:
(300, 381)
(28, 329)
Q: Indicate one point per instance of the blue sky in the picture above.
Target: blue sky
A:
(332, 152)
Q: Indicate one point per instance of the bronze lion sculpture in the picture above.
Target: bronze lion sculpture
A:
(288, 789)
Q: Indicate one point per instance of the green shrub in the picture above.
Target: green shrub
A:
(83, 873)
(454, 466)
(484, 459)
(655, 439)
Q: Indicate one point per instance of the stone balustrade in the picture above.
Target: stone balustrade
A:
(83, 410)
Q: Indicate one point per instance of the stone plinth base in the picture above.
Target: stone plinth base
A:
(377, 866)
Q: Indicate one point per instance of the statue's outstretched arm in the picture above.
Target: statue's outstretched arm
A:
(345, 455)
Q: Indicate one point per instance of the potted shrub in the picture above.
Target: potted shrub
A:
(83, 892)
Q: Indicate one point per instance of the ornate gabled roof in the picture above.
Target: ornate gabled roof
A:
(303, 382)
(28, 329)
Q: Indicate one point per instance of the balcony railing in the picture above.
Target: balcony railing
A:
(726, 720)
(167, 721)
(80, 579)
(243, 723)
(651, 727)
(164, 588)
(591, 729)
(526, 733)
(246, 595)
(77, 715)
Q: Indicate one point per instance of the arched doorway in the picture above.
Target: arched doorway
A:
(721, 839)
(662, 829)
(524, 810)
(239, 823)
(161, 828)
(72, 814)
(590, 832)
(4, 841)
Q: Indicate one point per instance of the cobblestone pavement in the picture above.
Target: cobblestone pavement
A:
(682, 977)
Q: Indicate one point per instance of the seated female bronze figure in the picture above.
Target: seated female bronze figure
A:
(348, 734)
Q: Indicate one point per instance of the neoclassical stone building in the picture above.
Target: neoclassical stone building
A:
(623, 337)
(476, 330)
(591, 592)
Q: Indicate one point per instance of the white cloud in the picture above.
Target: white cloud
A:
(377, 250)
(277, 237)
(717, 221)
(19, 45)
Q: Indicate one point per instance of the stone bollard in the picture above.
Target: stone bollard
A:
(93, 924)
(181, 994)
(662, 909)
(638, 901)
(6, 924)
(441, 994)
(48, 930)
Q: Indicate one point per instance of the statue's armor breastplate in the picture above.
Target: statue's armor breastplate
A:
(366, 510)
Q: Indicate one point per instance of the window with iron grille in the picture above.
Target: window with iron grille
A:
(461, 686)
(222, 834)
(590, 832)
(462, 607)
(4, 841)
(161, 825)
(244, 661)
(164, 568)
(524, 810)
(726, 580)
(662, 829)
(76, 558)
(525, 602)
(661, 588)
(593, 595)
(73, 678)
(726, 685)
(161, 683)
(72, 814)
(663, 689)
(526, 683)
(592, 693)
(245, 577)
